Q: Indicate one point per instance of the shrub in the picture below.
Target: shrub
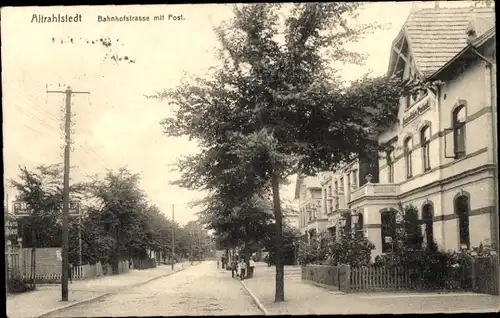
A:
(16, 285)
(312, 252)
(350, 250)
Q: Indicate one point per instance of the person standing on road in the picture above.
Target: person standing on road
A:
(242, 268)
(234, 267)
(217, 264)
(251, 267)
(70, 272)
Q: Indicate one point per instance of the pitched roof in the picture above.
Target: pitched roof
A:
(480, 41)
(436, 35)
(310, 182)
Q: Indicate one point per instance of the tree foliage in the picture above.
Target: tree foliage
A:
(116, 222)
(276, 106)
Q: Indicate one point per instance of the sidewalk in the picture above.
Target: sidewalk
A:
(304, 298)
(47, 298)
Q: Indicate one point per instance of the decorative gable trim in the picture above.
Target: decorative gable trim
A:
(397, 55)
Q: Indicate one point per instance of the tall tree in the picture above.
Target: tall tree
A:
(121, 202)
(276, 107)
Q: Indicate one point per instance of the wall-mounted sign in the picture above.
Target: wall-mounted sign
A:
(21, 208)
(415, 113)
(74, 208)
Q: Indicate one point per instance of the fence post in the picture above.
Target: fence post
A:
(473, 273)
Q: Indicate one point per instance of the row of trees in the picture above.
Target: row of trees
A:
(276, 107)
(117, 222)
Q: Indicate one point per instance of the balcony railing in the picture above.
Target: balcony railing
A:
(375, 189)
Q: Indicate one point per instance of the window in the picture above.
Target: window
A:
(388, 229)
(408, 145)
(390, 167)
(427, 214)
(348, 223)
(462, 210)
(359, 227)
(411, 225)
(336, 187)
(354, 179)
(459, 118)
(342, 184)
(425, 140)
(325, 200)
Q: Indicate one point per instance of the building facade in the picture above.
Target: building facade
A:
(312, 220)
(441, 156)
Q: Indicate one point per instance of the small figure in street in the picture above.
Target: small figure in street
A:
(242, 268)
(251, 267)
(217, 264)
(70, 271)
(223, 261)
(234, 268)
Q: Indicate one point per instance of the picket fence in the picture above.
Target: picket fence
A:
(479, 275)
(82, 272)
(380, 278)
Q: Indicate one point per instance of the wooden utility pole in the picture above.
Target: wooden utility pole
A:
(65, 224)
(173, 238)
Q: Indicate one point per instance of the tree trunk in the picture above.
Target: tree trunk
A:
(280, 269)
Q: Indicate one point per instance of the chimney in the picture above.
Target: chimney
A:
(471, 33)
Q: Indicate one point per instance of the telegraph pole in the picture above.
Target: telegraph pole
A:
(173, 237)
(65, 224)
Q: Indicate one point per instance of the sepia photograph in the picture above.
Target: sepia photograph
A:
(295, 158)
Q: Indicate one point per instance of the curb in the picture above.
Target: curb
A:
(88, 300)
(256, 300)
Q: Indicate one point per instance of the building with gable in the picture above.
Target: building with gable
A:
(441, 157)
(312, 220)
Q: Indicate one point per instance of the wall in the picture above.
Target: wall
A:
(469, 86)
(46, 261)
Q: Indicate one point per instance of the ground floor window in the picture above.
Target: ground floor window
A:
(428, 224)
(462, 211)
(388, 229)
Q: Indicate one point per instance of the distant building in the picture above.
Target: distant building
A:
(311, 218)
(291, 217)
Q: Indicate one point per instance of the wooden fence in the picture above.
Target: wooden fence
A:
(79, 273)
(379, 278)
(480, 275)
(15, 268)
(485, 279)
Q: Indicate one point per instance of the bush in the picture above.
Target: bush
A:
(16, 285)
(350, 250)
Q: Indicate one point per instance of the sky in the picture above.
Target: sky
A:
(116, 125)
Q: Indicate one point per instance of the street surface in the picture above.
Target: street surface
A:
(199, 290)
(47, 298)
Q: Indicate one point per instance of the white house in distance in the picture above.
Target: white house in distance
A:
(312, 220)
(291, 217)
